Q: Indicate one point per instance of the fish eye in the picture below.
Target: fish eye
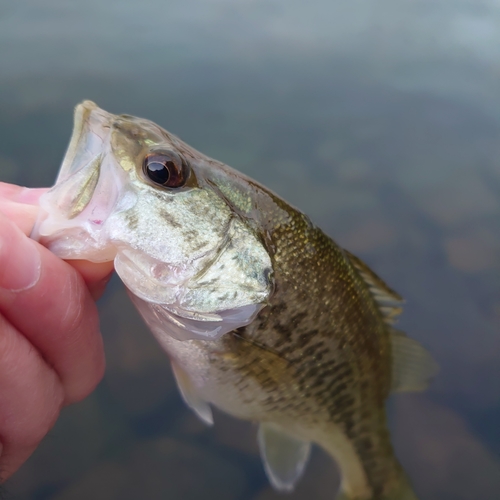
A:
(166, 169)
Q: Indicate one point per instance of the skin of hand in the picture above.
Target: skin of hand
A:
(51, 352)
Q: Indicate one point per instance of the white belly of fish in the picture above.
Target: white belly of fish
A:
(202, 383)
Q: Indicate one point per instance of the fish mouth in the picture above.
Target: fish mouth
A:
(89, 185)
(89, 140)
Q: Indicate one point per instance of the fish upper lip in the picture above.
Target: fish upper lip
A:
(84, 129)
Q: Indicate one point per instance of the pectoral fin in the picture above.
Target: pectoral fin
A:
(190, 395)
(284, 456)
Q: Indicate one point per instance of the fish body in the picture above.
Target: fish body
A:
(260, 312)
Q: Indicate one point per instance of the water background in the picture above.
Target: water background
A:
(379, 119)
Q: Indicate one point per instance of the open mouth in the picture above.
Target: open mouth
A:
(91, 125)
(80, 171)
(89, 183)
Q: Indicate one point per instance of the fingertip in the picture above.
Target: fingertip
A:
(95, 275)
(23, 216)
(93, 272)
(20, 259)
(30, 196)
(97, 289)
(21, 194)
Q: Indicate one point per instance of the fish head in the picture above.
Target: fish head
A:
(131, 192)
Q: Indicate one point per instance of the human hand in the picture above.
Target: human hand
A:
(51, 352)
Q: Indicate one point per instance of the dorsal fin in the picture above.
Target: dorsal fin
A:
(387, 299)
(412, 365)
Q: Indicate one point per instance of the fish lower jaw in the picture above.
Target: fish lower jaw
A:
(78, 246)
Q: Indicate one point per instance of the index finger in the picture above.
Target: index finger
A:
(20, 205)
(21, 194)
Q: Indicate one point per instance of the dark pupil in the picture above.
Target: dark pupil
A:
(166, 169)
(160, 172)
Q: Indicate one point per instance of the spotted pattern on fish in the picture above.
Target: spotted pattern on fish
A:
(261, 313)
(321, 353)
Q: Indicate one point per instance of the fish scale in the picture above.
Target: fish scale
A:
(327, 383)
(260, 312)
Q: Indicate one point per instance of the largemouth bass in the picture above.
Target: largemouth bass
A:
(260, 312)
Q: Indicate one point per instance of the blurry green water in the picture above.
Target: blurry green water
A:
(382, 124)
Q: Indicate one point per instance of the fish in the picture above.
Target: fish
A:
(261, 313)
